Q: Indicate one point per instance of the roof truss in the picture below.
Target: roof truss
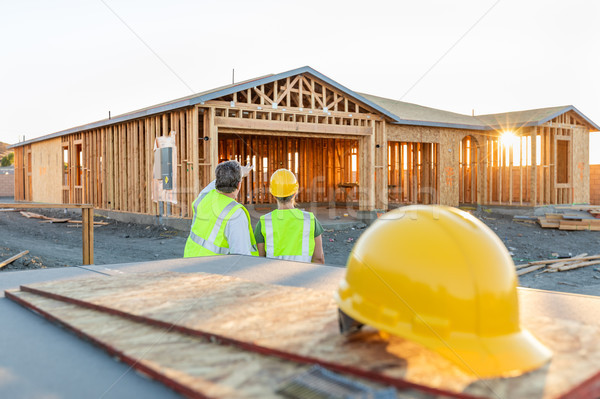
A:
(300, 92)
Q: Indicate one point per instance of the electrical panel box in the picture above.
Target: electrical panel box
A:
(166, 167)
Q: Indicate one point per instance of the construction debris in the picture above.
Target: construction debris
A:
(95, 223)
(559, 265)
(47, 219)
(580, 218)
(524, 219)
(14, 258)
(30, 215)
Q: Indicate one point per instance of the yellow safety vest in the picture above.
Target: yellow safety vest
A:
(289, 234)
(212, 211)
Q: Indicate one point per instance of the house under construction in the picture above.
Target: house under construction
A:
(345, 147)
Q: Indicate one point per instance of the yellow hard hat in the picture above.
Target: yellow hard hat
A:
(283, 183)
(439, 276)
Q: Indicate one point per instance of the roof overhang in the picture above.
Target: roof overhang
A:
(202, 98)
(593, 127)
(567, 109)
(440, 124)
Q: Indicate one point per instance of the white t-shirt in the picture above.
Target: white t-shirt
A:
(236, 229)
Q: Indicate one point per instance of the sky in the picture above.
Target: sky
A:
(67, 63)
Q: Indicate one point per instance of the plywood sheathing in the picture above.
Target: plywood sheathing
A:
(581, 166)
(595, 184)
(20, 173)
(47, 171)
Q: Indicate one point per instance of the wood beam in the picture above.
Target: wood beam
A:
(335, 102)
(264, 98)
(276, 133)
(300, 92)
(195, 152)
(213, 143)
(533, 167)
(287, 90)
(290, 110)
(291, 126)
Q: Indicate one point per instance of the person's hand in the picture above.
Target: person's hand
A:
(246, 170)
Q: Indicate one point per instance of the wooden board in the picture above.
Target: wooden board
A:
(267, 317)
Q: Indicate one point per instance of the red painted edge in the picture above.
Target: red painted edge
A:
(222, 340)
(588, 389)
(134, 363)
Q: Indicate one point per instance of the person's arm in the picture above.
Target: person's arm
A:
(318, 255)
(261, 249)
(238, 235)
(260, 240)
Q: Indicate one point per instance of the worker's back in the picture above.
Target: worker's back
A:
(289, 234)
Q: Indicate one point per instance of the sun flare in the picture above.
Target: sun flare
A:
(508, 138)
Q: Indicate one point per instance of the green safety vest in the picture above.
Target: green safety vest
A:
(289, 234)
(212, 211)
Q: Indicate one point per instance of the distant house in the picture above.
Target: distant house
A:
(7, 181)
(346, 148)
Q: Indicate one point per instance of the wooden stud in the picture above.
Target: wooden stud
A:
(87, 214)
(510, 174)
(547, 166)
(533, 167)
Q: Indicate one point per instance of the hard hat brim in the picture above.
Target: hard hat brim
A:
(282, 193)
(484, 357)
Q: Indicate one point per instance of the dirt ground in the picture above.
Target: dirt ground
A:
(59, 245)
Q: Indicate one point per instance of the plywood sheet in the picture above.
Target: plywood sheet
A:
(190, 365)
(47, 171)
(303, 322)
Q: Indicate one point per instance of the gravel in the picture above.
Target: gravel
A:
(59, 245)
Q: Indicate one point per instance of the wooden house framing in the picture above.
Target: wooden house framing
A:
(345, 147)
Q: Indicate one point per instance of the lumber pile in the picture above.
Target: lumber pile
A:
(558, 265)
(47, 219)
(570, 221)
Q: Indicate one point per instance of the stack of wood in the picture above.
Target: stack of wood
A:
(559, 265)
(234, 338)
(47, 219)
(589, 220)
